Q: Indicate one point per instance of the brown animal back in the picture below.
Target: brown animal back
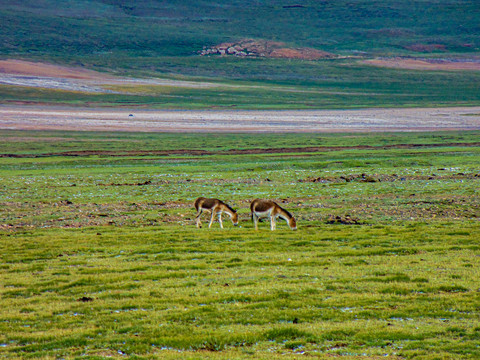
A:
(261, 205)
(198, 202)
(210, 203)
(252, 204)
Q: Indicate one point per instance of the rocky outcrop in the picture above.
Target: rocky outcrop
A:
(264, 48)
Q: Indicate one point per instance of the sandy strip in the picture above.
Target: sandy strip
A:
(51, 76)
(25, 117)
(425, 64)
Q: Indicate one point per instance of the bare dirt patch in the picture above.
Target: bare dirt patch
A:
(302, 53)
(367, 120)
(52, 76)
(68, 214)
(344, 220)
(426, 47)
(20, 67)
(373, 178)
(425, 64)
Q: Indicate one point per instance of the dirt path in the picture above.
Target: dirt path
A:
(193, 152)
(368, 120)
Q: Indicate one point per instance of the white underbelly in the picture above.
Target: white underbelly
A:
(210, 210)
(263, 213)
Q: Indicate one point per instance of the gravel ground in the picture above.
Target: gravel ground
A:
(27, 117)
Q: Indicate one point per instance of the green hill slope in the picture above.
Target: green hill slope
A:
(164, 39)
(183, 27)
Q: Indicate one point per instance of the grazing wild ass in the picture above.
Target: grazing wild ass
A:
(216, 207)
(267, 208)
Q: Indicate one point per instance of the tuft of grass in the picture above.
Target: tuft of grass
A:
(286, 333)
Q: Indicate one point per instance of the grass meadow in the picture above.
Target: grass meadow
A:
(100, 256)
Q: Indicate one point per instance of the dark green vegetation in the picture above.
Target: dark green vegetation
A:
(149, 28)
(100, 257)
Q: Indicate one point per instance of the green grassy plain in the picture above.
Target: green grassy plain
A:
(100, 256)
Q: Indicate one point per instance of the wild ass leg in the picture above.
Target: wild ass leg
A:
(272, 222)
(211, 219)
(220, 219)
(255, 220)
(197, 219)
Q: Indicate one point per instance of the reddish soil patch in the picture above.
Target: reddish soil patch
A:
(426, 47)
(51, 76)
(424, 64)
(302, 53)
(28, 68)
(193, 152)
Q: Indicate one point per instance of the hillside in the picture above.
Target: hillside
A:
(183, 27)
(338, 48)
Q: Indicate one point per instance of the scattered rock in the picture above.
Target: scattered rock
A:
(346, 220)
(85, 299)
(148, 182)
(265, 48)
(319, 179)
(348, 178)
(370, 179)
